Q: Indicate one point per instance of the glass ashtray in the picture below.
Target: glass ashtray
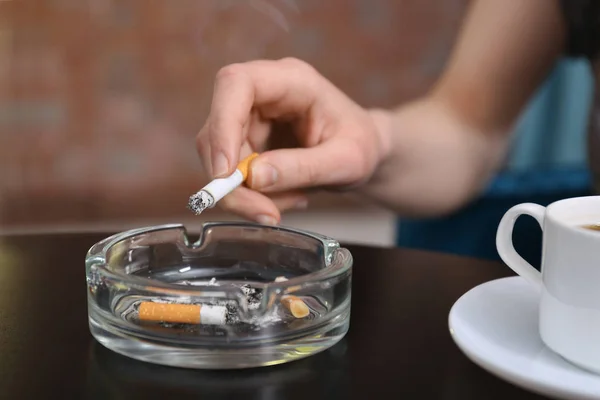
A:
(242, 295)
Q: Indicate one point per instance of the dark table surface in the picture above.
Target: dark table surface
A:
(398, 345)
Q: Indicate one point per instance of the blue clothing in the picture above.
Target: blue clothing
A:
(547, 163)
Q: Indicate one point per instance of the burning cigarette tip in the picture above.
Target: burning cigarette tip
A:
(219, 188)
(199, 202)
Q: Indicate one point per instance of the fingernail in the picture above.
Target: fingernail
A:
(302, 204)
(263, 175)
(266, 220)
(220, 165)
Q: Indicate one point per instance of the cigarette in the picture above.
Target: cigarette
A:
(182, 313)
(295, 305)
(210, 194)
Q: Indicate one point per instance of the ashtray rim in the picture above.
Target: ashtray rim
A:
(338, 260)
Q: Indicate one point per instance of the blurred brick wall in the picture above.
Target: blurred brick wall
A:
(100, 100)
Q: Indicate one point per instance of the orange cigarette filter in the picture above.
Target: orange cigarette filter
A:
(296, 306)
(244, 165)
(182, 313)
(210, 194)
(174, 313)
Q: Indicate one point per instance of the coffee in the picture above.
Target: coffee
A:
(593, 227)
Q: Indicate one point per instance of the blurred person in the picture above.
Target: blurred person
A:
(546, 162)
(438, 161)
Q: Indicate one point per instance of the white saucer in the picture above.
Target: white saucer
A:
(496, 326)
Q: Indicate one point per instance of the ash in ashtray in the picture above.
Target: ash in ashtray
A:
(253, 296)
(231, 316)
(218, 316)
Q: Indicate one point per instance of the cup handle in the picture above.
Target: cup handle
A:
(504, 243)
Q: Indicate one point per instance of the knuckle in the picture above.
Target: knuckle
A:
(230, 71)
(201, 146)
(308, 170)
(291, 61)
(202, 137)
(298, 65)
(200, 141)
(304, 73)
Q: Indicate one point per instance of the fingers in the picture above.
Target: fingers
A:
(204, 150)
(257, 133)
(230, 112)
(274, 88)
(255, 206)
(335, 162)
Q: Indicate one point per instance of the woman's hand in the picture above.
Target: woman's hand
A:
(341, 143)
(428, 157)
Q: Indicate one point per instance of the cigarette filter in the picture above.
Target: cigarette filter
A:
(210, 194)
(182, 313)
(296, 306)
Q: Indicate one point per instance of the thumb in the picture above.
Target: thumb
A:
(332, 163)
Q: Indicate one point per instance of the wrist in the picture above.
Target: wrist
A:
(382, 120)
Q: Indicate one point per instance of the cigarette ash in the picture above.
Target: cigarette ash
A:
(199, 202)
(231, 317)
(253, 296)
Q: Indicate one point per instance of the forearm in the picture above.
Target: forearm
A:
(434, 163)
(441, 151)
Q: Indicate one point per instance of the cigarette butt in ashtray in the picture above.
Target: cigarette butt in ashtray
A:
(178, 313)
(210, 194)
(182, 313)
(294, 304)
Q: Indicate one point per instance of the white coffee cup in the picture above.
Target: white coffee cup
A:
(569, 281)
